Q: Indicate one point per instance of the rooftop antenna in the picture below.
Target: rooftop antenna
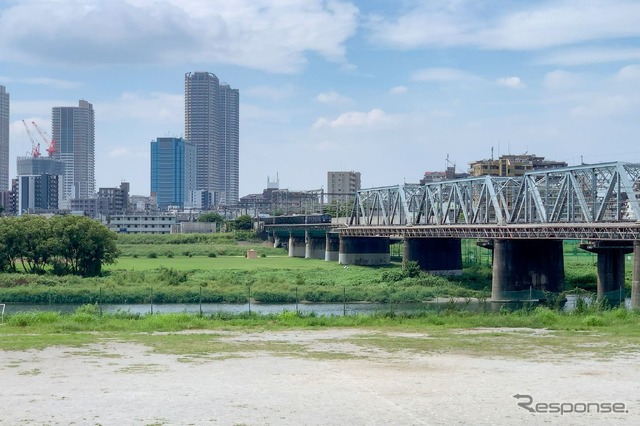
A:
(492, 153)
(450, 163)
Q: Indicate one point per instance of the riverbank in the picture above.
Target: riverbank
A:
(237, 280)
(354, 375)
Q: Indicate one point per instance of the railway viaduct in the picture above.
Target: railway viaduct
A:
(523, 220)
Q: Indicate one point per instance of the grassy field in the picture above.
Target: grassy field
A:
(202, 263)
(213, 268)
(230, 279)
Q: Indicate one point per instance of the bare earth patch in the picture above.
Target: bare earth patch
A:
(305, 377)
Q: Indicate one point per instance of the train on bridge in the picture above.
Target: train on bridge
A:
(301, 219)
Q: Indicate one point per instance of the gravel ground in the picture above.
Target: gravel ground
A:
(330, 382)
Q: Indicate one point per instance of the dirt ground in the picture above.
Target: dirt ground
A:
(330, 382)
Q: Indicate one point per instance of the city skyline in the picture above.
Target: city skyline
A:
(387, 89)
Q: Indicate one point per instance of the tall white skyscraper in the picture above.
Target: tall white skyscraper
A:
(212, 124)
(229, 143)
(73, 129)
(4, 139)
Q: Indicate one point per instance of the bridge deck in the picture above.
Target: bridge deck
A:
(621, 231)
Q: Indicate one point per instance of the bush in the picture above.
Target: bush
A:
(172, 276)
(411, 268)
(88, 309)
(594, 321)
(546, 316)
(152, 255)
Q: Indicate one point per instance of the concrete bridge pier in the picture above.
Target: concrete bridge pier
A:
(610, 268)
(635, 277)
(522, 265)
(276, 241)
(440, 256)
(314, 247)
(332, 247)
(364, 251)
(297, 246)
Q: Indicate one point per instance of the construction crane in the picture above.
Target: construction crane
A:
(51, 144)
(35, 146)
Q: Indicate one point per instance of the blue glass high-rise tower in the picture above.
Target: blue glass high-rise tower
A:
(172, 171)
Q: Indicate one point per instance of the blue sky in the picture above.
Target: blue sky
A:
(387, 88)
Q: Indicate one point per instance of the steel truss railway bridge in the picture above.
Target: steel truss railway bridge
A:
(522, 219)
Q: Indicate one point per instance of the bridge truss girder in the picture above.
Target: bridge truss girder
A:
(600, 193)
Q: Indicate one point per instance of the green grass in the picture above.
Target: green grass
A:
(190, 279)
(183, 270)
(534, 334)
(204, 263)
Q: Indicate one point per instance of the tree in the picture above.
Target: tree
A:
(83, 244)
(35, 242)
(243, 223)
(212, 217)
(10, 244)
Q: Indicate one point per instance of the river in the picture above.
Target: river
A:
(320, 309)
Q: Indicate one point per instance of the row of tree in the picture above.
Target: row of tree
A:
(241, 223)
(64, 244)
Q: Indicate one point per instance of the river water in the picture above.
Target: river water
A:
(320, 309)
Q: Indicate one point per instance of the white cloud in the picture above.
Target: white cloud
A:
(259, 34)
(606, 106)
(44, 81)
(629, 73)
(561, 80)
(52, 82)
(269, 92)
(443, 75)
(511, 82)
(398, 90)
(332, 98)
(120, 152)
(588, 56)
(512, 26)
(355, 119)
(164, 108)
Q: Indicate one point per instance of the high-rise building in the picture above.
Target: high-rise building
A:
(73, 129)
(212, 123)
(39, 185)
(229, 146)
(342, 186)
(173, 171)
(4, 139)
